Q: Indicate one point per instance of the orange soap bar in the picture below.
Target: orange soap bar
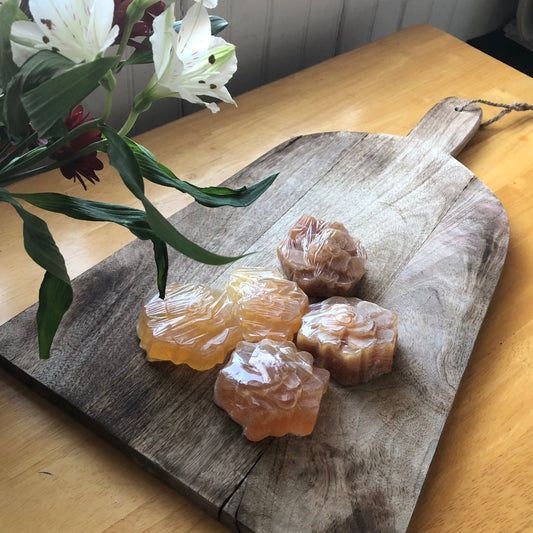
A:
(322, 257)
(269, 306)
(354, 339)
(194, 324)
(271, 389)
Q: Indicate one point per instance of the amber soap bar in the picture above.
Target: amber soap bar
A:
(271, 388)
(322, 257)
(194, 324)
(268, 305)
(354, 339)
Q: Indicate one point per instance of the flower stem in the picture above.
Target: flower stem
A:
(130, 122)
(124, 41)
(109, 84)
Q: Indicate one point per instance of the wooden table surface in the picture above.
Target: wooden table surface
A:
(55, 475)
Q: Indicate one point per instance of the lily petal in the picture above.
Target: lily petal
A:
(208, 3)
(197, 64)
(78, 29)
(164, 41)
(195, 32)
(26, 40)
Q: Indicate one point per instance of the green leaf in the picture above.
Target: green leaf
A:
(36, 70)
(154, 171)
(217, 24)
(128, 217)
(164, 229)
(123, 159)
(40, 245)
(53, 99)
(161, 261)
(140, 56)
(83, 209)
(8, 14)
(55, 295)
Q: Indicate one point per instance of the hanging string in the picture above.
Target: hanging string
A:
(507, 108)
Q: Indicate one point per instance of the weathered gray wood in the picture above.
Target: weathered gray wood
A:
(436, 239)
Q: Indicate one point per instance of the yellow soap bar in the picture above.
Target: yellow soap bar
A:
(269, 306)
(194, 324)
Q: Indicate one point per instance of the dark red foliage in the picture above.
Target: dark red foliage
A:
(143, 28)
(86, 165)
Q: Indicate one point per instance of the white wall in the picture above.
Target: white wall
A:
(275, 38)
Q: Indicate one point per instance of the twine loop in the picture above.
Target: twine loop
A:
(506, 108)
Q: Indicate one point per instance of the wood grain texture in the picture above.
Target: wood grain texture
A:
(436, 239)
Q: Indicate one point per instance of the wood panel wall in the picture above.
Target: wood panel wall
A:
(275, 38)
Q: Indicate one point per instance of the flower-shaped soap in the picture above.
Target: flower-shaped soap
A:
(194, 324)
(322, 257)
(271, 389)
(354, 339)
(269, 305)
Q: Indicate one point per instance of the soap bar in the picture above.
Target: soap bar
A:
(354, 339)
(194, 324)
(242, 280)
(271, 389)
(269, 305)
(322, 257)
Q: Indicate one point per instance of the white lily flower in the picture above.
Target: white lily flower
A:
(78, 29)
(192, 63)
(208, 3)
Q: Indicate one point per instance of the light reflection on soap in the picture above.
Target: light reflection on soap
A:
(271, 389)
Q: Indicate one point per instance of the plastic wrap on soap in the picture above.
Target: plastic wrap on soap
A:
(322, 257)
(243, 279)
(271, 389)
(268, 305)
(352, 338)
(194, 324)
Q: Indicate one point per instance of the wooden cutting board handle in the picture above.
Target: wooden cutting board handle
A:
(447, 129)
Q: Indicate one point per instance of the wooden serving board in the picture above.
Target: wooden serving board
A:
(436, 239)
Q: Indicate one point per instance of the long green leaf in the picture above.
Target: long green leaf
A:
(166, 231)
(83, 209)
(36, 70)
(161, 261)
(53, 99)
(8, 14)
(123, 159)
(154, 171)
(130, 218)
(55, 295)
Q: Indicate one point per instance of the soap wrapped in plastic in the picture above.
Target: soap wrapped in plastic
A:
(269, 305)
(322, 257)
(271, 389)
(194, 324)
(242, 280)
(354, 339)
